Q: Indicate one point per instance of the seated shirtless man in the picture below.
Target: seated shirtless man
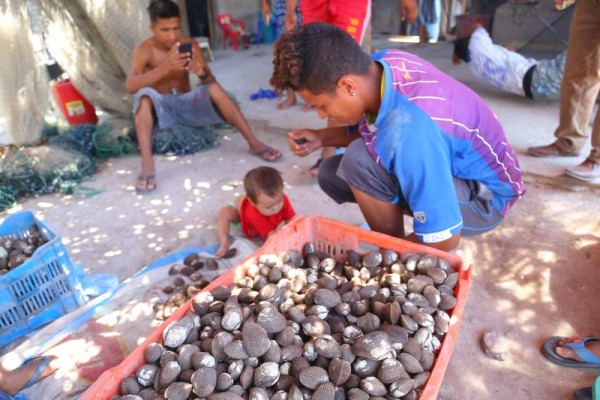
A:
(159, 77)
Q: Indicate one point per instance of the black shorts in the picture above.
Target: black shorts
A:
(358, 169)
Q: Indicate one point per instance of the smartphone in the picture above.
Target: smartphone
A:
(185, 47)
(300, 141)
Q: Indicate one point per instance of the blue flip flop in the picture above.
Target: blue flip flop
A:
(35, 378)
(589, 359)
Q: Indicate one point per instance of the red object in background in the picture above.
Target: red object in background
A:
(76, 109)
(233, 29)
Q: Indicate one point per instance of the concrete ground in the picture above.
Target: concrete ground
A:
(534, 277)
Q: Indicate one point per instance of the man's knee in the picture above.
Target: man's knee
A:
(144, 109)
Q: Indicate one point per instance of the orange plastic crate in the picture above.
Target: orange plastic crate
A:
(334, 238)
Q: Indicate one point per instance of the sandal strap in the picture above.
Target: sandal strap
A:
(585, 354)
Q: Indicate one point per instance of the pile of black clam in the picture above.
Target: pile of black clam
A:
(14, 252)
(187, 280)
(298, 327)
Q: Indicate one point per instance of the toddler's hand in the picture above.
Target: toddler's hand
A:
(223, 249)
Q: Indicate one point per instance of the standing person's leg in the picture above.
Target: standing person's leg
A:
(144, 125)
(589, 169)
(353, 17)
(581, 83)
(232, 114)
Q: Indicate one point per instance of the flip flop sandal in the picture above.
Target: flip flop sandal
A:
(589, 359)
(35, 378)
(146, 179)
(264, 152)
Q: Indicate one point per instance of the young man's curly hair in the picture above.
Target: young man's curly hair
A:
(314, 57)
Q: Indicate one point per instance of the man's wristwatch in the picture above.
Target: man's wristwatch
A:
(203, 76)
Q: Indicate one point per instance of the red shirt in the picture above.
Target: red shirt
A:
(255, 224)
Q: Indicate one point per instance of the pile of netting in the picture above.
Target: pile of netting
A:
(73, 155)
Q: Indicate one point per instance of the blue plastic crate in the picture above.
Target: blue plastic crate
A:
(40, 290)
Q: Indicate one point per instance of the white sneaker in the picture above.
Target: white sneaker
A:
(588, 170)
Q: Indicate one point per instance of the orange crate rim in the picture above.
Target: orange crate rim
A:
(328, 235)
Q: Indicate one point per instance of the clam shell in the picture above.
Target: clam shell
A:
(392, 312)
(417, 299)
(412, 347)
(389, 257)
(153, 352)
(364, 367)
(234, 369)
(271, 320)
(398, 335)
(447, 302)
(409, 308)
(285, 382)
(401, 387)
(236, 350)
(266, 374)
(273, 354)
(203, 359)
(258, 393)
(255, 339)
(288, 353)
(427, 261)
(232, 319)
(224, 382)
(438, 275)
(357, 394)
(130, 385)
(246, 377)
(224, 396)
(327, 347)
(441, 325)
(418, 283)
(146, 374)
(219, 342)
(204, 381)
(372, 259)
(339, 371)
(409, 323)
(325, 391)
(168, 374)
(427, 359)
(294, 258)
(297, 365)
(423, 319)
(297, 315)
(327, 265)
(315, 327)
(368, 323)
(410, 363)
(178, 391)
(390, 371)
(327, 298)
(452, 279)
(373, 346)
(373, 386)
(312, 377)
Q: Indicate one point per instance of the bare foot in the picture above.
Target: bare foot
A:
(13, 382)
(146, 182)
(591, 345)
(289, 101)
(265, 152)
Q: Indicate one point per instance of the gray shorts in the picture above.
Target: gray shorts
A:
(358, 169)
(193, 108)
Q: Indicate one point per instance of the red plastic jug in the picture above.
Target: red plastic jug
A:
(76, 109)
